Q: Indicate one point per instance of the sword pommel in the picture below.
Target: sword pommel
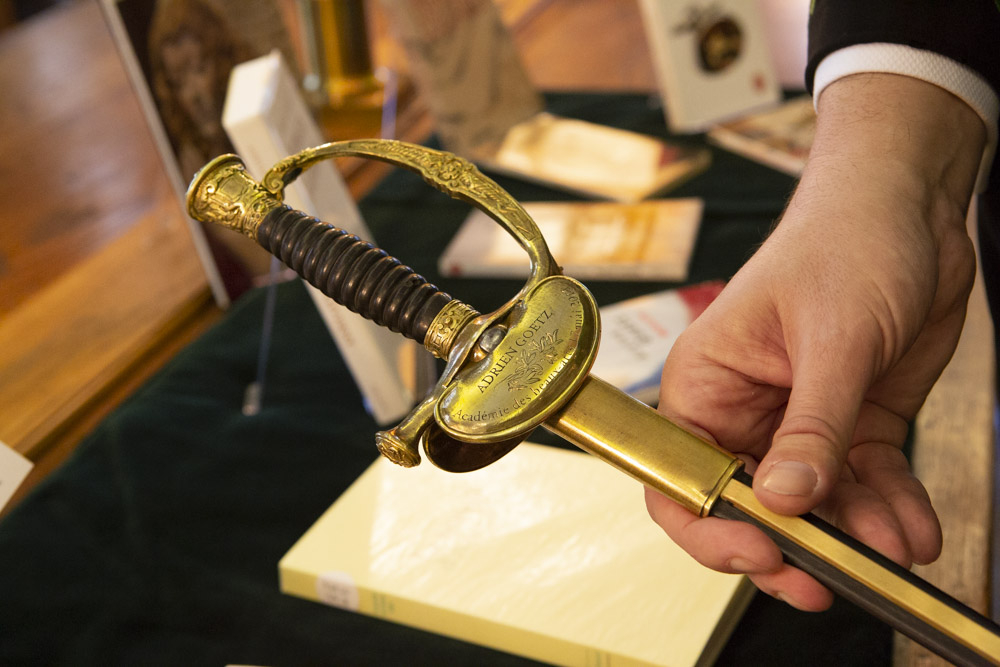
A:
(223, 193)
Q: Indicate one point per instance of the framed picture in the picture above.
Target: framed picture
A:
(179, 55)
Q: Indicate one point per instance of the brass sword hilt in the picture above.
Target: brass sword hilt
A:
(540, 344)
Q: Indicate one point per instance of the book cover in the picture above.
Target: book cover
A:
(547, 553)
(132, 42)
(651, 240)
(711, 60)
(267, 119)
(780, 138)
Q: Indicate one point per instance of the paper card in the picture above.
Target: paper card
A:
(711, 59)
(651, 240)
(13, 469)
(637, 334)
(780, 138)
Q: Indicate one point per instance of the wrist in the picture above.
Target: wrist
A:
(897, 137)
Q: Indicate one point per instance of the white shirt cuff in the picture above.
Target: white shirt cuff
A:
(927, 66)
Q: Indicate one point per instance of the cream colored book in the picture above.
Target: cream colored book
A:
(780, 138)
(547, 553)
(651, 240)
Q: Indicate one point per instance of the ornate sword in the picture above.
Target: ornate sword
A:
(527, 364)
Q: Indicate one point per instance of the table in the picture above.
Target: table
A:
(157, 543)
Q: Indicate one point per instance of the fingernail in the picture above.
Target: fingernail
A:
(790, 478)
(743, 566)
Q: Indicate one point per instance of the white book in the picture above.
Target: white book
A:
(267, 119)
(711, 60)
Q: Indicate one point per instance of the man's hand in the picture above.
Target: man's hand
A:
(814, 358)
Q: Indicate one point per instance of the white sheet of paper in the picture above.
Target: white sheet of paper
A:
(13, 469)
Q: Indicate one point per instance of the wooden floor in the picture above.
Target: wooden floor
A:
(100, 284)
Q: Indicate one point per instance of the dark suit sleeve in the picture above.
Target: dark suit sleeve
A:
(967, 31)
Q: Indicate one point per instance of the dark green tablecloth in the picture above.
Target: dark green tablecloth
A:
(158, 541)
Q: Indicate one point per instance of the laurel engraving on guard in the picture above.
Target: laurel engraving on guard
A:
(527, 367)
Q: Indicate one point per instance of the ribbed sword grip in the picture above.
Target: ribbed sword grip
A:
(352, 272)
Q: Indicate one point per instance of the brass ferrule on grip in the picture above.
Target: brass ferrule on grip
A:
(445, 327)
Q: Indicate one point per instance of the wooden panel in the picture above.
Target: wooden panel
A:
(77, 161)
(97, 265)
(585, 45)
(74, 337)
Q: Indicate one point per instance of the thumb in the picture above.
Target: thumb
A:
(809, 448)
